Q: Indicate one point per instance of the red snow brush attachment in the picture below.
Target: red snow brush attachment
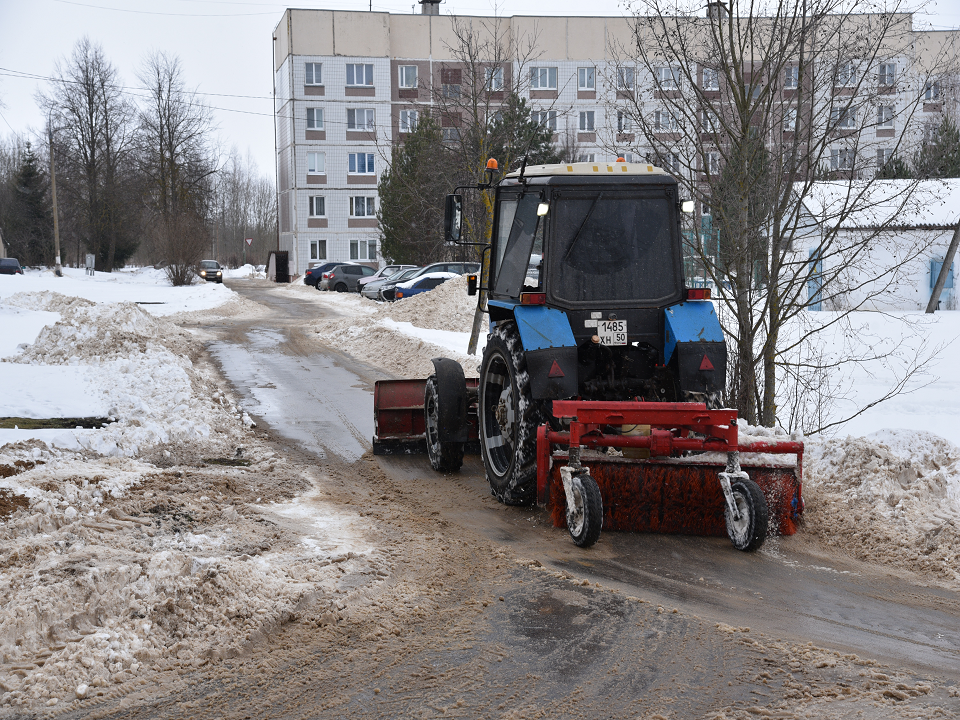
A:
(677, 488)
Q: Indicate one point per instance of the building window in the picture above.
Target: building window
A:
(586, 120)
(359, 75)
(586, 78)
(451, 91)
(363, 250)
(316, 163)
(843, 117)
(314, 74)
(841, 159)
(713, 163)
(318, 207)
(931, 90)
(363, 207)
(887, 75)
(935, 267)
(846, 74)
(884, 156)
(627, 157)
(408, 121)
(711, 79)
(791, 77)
(493, 78)
(360, 163)
(711, 122)
(625, 78)
(665, 121)
(587, 157)
(408, 76)
(360, 119)
(668, 78)
(669, 161)
(543, 78)
(624, 122)
(790, 119)
(451, 134)
(314, 118)
(547, 118)
(318, 249)
(885, 116)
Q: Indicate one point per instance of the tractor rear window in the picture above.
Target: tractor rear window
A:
(613, 247)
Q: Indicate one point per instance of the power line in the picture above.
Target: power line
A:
(168, 14)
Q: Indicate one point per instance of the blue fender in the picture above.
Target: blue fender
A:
(691, 321)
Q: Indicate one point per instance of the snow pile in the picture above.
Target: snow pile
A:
(247, 271)
(891, 497)
(402, 337)
(116, 568)
(143, 373)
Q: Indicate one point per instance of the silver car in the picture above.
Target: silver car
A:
(372, 289)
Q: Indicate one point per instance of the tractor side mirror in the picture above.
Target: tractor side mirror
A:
(471, 284)
(453, 218)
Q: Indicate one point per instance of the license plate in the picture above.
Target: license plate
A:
(612, 332)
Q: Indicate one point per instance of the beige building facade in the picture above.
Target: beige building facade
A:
(349, 84)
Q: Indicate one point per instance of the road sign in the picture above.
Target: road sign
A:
(248, 241)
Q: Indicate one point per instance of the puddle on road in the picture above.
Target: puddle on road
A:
(307, 399)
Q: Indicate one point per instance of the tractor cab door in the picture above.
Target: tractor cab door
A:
(517, 245)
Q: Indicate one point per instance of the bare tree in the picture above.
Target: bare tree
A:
(750, 108)
(245, 208)
(91, 123)
(178, 165)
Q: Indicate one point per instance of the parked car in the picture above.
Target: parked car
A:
(372, 289)
(457, 268)
(10, 266)
(314, 274)
(343, 278)
(381, 274)
(210, 270)
(421, 284)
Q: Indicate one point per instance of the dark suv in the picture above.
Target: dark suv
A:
(10, 266)
(343, 278)
(387, 290)
(210, 270)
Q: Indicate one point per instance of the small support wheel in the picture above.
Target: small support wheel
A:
(749, 532)
(585, 514)
(444, 456)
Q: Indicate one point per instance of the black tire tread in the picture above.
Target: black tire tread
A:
(450, 455)
(593, 506)
(521, 485)
(760, 514)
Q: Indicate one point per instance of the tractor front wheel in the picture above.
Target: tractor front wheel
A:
(508, 418)
(749, 532)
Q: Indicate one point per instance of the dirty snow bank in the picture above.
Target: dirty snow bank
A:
(891, 497)
(115, 568)
(143, 373)
(403, 336)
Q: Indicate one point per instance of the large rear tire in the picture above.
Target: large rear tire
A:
(585, 516)
(444, 456)
(749, 532)
(508, 419)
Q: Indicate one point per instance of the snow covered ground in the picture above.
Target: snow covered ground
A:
(174, 537)
(170, 537)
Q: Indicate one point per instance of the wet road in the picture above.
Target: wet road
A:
(793, 588)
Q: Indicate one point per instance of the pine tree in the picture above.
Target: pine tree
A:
(939, 157)
(30, 234)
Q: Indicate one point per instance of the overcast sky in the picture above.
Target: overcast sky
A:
(224, 46)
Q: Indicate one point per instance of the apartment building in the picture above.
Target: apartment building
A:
(350, 84)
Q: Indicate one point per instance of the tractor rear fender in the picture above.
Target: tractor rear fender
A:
(692, 332)
(452, 396)
(550, 350)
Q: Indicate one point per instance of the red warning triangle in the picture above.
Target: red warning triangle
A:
(705, 364)
(555, 371)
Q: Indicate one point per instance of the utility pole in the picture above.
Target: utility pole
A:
(56, 223)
